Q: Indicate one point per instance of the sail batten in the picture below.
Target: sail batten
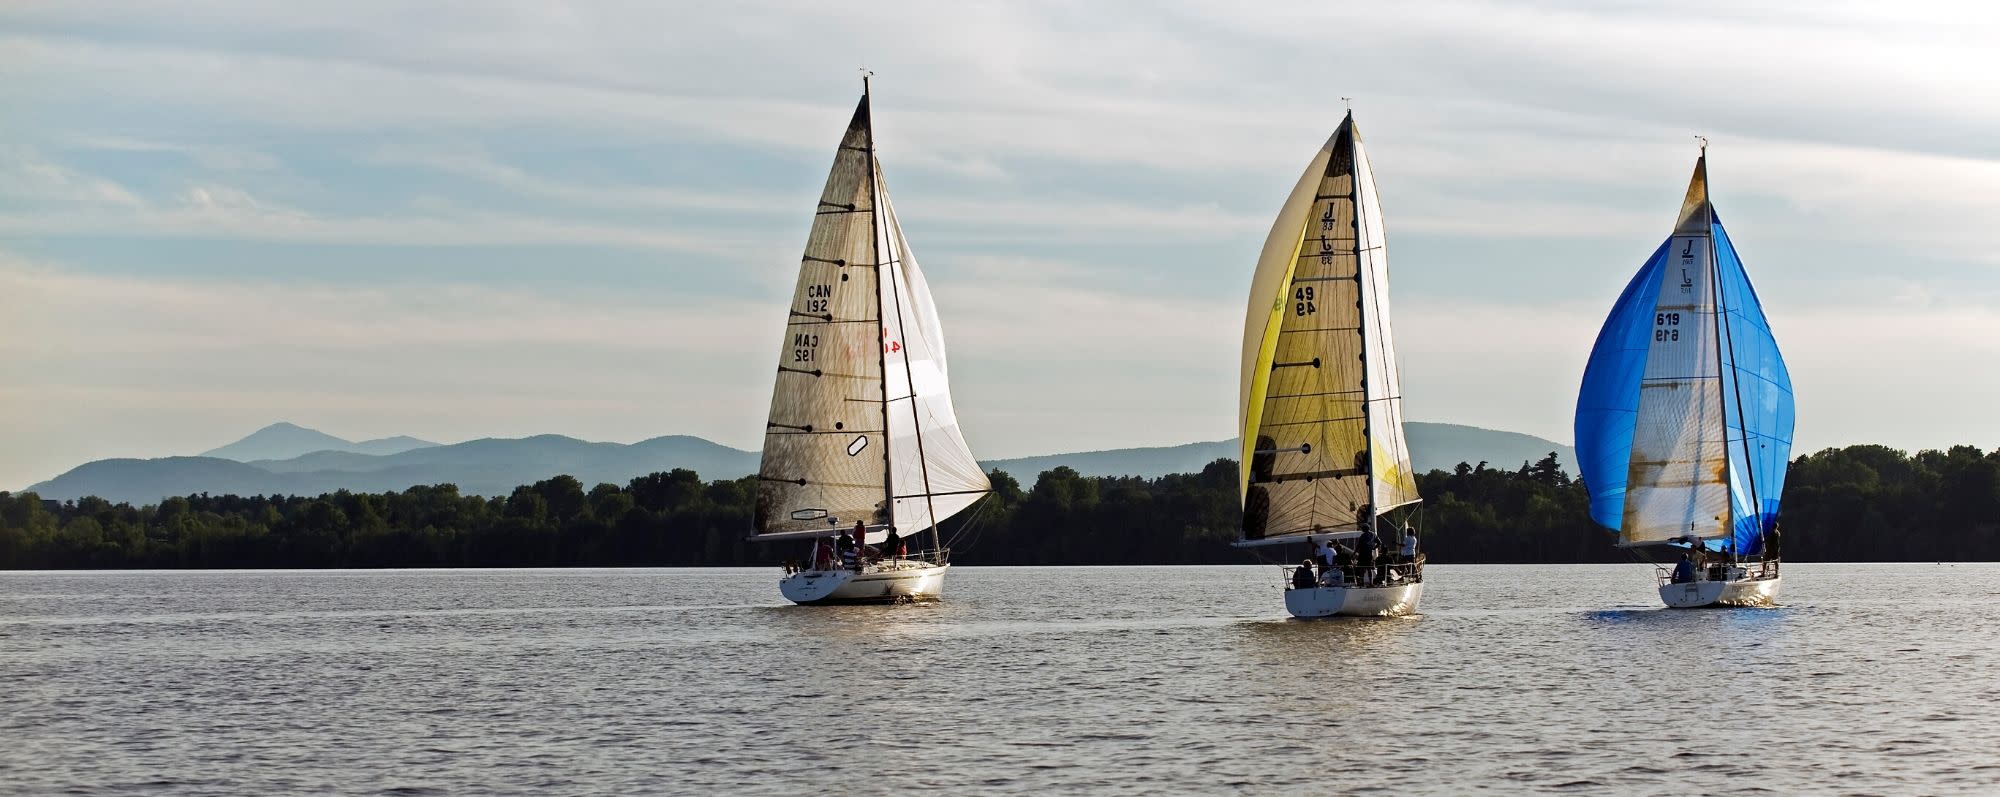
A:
(1320, 414)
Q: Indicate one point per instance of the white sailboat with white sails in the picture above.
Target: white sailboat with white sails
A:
(1324, 454)
(862, 436)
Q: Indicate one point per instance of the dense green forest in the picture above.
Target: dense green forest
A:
(1861, 503)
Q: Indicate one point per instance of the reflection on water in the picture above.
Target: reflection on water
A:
(1108, 680)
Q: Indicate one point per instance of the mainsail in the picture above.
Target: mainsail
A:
(1684, 421)
(861, 425)
(1321, 407)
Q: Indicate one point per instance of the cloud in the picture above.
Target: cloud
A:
(1084, 183)
(64, 202)
(26, 176)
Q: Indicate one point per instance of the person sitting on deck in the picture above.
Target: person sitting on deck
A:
(1302, 576)
(1684, 572)
(1331, 577)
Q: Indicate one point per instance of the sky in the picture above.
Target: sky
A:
(498, 219)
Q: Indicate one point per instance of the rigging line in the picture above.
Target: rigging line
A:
(862, 432)
(1354, 184)
(952, 492)
(973, 525)
(875, 254)
(910, 377)
(1742, 423)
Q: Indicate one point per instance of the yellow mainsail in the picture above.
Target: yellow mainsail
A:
(1320, 406)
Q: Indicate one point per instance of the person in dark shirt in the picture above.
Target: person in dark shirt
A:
(1302, 577)
(1684, 572)
(892, 545)
(1365, 547)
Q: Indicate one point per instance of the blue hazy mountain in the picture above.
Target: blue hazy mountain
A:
(495, 466)
(285, 441)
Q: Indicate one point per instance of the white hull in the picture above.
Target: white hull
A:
(1391, 601)
(1741, 592)
(893, 581)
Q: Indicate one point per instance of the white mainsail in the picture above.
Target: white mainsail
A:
(1320, 404)
(861, 425)
(1678, 479)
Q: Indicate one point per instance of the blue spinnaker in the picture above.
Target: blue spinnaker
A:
(1758, 390)
(1756, 394)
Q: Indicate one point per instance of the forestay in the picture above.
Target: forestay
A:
(1684, 420)
(1320, 404)
(861, 425)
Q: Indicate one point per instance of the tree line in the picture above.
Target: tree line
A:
(1859, 503)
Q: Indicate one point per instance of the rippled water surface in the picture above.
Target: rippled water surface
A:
(1870, 679)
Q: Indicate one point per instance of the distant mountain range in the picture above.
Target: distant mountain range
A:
(288, 459)
(284, 441)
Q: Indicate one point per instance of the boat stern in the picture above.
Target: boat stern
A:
(1392, 601)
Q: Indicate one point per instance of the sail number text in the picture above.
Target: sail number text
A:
(1302, 302)
(805, 347)
(1666, 326)
(817, 298)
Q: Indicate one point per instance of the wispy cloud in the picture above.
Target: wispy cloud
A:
(1078, 179)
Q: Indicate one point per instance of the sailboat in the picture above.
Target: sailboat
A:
(862, 441)
(1684, 420)
(1321, 409)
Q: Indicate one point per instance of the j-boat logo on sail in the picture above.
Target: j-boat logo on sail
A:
(1687, 262)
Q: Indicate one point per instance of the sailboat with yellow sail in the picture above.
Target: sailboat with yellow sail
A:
(1325, 459)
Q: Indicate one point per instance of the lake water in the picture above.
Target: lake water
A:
(1871, 679)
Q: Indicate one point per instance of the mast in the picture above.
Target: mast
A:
(1726, 337)
(882, 354)
(1361, 315)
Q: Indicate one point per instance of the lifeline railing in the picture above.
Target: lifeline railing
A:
(1350, 575)
(1752, 570)
(941, 556)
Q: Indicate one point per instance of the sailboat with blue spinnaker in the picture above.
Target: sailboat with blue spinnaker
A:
(1684, 421)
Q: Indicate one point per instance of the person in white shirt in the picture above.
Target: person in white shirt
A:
(1323, 552)
(1409, 544)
